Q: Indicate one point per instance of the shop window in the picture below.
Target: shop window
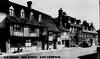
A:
(34, 32)
(28, 43)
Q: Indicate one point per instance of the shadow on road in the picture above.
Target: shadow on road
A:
(90, 56)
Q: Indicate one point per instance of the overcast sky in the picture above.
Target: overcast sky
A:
(80, 9)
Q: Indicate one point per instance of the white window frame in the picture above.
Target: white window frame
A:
(11, 11)
(22, 13)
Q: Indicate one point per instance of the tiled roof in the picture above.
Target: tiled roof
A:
(18, 7)
(51, 26)
(2, 24)
(44, 23)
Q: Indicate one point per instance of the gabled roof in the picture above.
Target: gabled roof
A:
(46, 21)
(18, 7)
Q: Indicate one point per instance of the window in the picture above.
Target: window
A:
(22, 13)
(69, 21)
(26, 31)
(37, 30)
(34, 32)
(40, 18)
(16, 30)
(28, 43)
(11, 30)
(63, 41)
(11, 11)
(31, 16)
(59, 42)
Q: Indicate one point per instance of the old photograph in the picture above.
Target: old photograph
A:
(49, 29)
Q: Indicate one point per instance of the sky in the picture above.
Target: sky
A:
(79, 9)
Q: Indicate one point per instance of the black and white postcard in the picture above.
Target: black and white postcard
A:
(49, 29)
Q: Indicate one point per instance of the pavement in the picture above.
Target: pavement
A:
(62, 53)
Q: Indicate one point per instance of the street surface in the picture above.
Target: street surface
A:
(64, 53)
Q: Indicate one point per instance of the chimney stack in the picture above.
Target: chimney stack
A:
(60, 12)
(29, 4)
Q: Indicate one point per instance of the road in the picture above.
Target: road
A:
(65, 53)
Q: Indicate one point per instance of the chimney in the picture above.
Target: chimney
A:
(60, 12)
(29, 4)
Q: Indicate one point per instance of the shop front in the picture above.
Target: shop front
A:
(65, 39)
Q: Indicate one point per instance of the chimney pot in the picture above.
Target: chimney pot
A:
(29, 4)
(60, 12)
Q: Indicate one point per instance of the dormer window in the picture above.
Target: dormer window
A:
(31, 15)
(22, 13)
(40, 18)
(11, 11)
(69, 21)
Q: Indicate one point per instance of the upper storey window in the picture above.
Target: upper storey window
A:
(11, 11)
(31, 15)
(40, 18)
(22, 13)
